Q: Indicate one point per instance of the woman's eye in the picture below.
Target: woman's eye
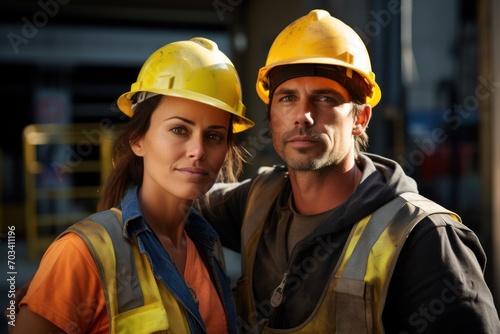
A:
(178, 130)
(215, 137)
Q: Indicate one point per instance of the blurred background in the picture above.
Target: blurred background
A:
(64, 63)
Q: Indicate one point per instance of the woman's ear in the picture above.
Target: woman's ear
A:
(137, 147)
(362, 119)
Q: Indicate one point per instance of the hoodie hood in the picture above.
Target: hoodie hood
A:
(383, 179)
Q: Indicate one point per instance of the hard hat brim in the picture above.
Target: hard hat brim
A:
(240, 124)
(262, 85)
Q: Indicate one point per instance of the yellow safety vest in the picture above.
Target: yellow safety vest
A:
(135, 301)
(353, 301)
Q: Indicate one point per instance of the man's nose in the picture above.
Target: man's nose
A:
(304, 112)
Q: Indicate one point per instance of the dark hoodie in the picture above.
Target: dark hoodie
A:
(437, 286)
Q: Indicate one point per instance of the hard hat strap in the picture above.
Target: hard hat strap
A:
(140, 97)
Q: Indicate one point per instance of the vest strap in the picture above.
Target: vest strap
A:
(133, 299)
(380, 240)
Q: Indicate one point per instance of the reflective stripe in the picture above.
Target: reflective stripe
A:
(372, 228)
(118, 272)
(133, 299)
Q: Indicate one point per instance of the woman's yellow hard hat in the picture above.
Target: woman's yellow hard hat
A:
(196, 70)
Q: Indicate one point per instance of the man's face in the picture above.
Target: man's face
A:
(312, 123)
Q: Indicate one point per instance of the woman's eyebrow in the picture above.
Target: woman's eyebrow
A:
(180, 118)
(190, 122)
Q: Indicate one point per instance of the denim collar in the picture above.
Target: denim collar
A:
(197, 228)
(132, 218)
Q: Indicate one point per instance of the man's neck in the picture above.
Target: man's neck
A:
(319, 191)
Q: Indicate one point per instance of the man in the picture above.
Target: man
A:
(339, 240)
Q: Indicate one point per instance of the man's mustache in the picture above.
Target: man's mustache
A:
(302, 131)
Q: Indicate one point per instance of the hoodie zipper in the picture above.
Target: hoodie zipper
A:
(277, 296)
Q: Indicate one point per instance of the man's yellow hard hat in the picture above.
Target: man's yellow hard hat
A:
(319, 38)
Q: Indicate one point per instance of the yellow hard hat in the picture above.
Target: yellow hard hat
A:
(319, 38)
(196, 70)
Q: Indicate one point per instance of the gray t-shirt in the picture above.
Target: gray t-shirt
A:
(300, 226)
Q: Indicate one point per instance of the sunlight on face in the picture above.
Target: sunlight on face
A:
(184, 147)
(311, 123)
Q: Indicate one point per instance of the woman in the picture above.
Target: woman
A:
(147, 261)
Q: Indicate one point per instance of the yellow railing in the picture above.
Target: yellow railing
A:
(65, 167)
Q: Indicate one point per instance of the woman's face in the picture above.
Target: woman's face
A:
(184, 147)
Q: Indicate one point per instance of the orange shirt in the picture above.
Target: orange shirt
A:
(66, 288)
(67, 291)
(197, 277)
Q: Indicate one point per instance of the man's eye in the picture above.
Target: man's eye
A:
(325, 98)
(331, 100)
(287, 98)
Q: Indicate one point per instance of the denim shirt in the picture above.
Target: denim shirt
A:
(203, 236)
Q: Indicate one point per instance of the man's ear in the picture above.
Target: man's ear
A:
(362, 119)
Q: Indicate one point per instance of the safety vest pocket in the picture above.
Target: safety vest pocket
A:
(248, 319)
(354, 306)
(151, 318)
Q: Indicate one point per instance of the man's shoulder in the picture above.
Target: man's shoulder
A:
(425, 203)
(435, 218)
(268, 182)
(270, 176)
(270, 169)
